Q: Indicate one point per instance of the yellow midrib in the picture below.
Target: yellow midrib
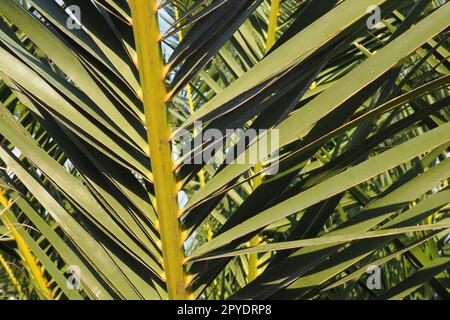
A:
(11, 276)
(273, 24)
(152, 74)
(25, 251)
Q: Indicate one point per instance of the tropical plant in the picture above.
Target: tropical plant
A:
(101, 201)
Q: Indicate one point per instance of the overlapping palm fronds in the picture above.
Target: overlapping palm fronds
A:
(95, 97)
